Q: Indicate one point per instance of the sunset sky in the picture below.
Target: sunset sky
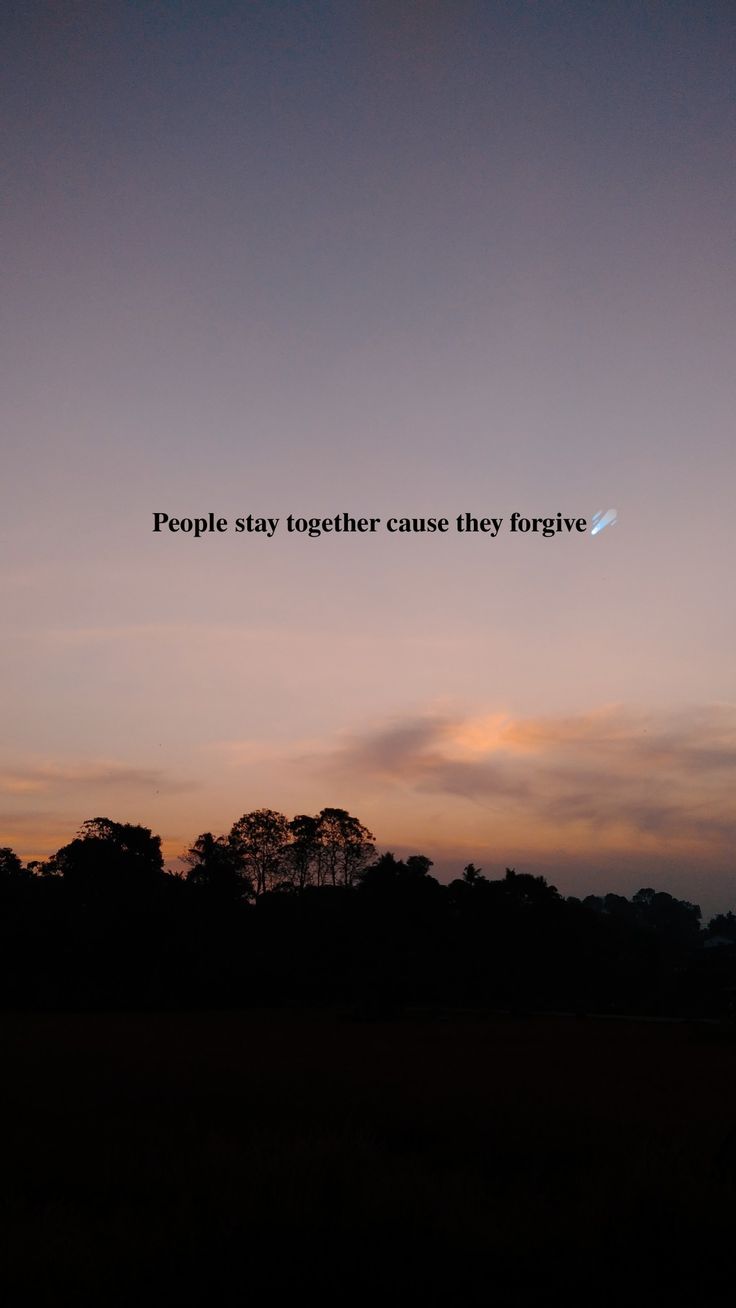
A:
(386, 258)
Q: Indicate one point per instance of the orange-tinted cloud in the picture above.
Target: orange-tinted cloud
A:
(43, 778)
(668, 776)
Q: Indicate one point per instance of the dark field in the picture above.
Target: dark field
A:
(219, 1157)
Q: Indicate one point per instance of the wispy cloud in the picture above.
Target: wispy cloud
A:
(50, 777)
(670, 775)
(607, 787)
(624, 777)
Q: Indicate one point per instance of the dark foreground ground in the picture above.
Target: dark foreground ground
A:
(221, 1158)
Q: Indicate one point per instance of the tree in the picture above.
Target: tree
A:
(472, 874)
(524, 889)
(137, 843)
(11, 867)
(384, 874)
(723, 924)
(345, 847)
(259, 840)
(214, 866)
(666, 916)
(304, 849)
(41, 867)
(418, 865)
(109, 855)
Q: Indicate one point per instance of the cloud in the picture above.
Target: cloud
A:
(616, 793)
(45, 778)
(669, 776)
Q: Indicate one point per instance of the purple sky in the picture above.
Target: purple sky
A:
(380, 258)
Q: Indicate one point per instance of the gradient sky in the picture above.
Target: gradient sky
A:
(383, 258)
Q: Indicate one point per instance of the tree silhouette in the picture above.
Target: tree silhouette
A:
(10, 865)
(666, 916)
(304, 851)
(107, 855)
(259, 841)
(216, 867)
(522, 888)
(723, 924)
(102, 923)
(345, 847)
(418, 865)
(472, 875)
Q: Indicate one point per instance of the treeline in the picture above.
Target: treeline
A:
(307, 911)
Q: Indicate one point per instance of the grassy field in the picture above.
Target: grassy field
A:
(224, 1157)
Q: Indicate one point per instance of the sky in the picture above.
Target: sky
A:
(412, 259)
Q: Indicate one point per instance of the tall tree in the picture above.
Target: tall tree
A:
(345, 847)
(215, 866)
(304, 849)
(260, 840)
(10, 865)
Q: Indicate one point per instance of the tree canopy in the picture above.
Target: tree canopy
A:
(282, 907)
